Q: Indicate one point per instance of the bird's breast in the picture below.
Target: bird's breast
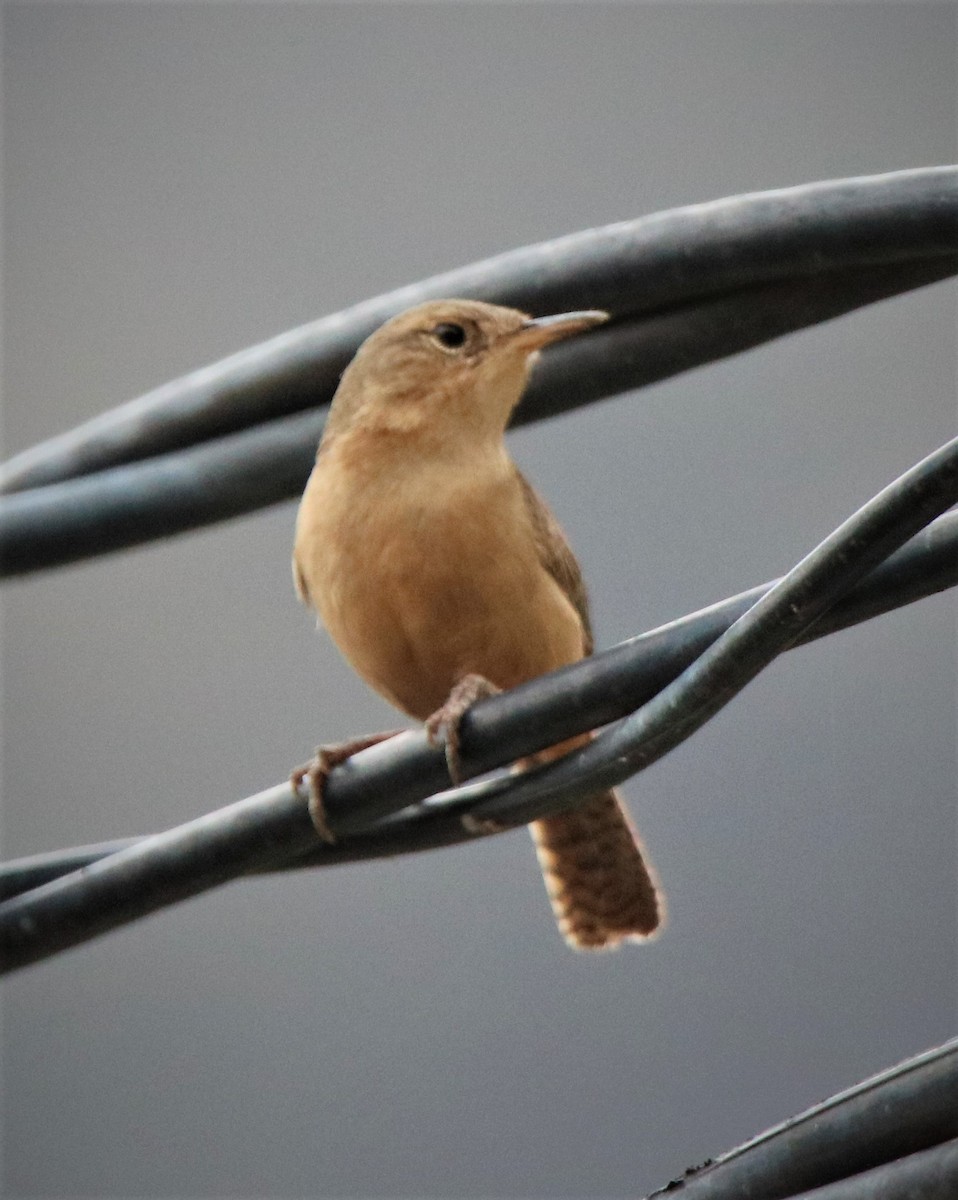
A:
(423, 574)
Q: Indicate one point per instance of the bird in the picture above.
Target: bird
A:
(443, 576)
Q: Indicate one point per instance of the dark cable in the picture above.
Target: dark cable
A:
(891, 1137)
(632, 267)
(588, 694)
(685, 288)
(273, 828)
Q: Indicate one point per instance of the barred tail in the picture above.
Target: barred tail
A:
(603, 890)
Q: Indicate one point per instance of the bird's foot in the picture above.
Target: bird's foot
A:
(444, 723)
(318, 768)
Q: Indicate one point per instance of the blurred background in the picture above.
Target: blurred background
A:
(184, 180)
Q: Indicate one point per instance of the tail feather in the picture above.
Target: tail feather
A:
(603, 889)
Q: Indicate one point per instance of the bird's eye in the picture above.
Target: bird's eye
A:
(449, 335)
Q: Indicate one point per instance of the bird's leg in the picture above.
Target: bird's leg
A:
(318, 768)
(444, 722)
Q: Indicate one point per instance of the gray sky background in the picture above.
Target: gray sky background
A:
(183, 180)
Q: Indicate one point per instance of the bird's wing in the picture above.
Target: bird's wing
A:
(556, 555)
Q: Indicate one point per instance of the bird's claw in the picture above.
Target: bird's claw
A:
(443, 725)
(316, 771)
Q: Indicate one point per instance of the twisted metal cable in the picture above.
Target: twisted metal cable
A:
(363, 795)
(598, 690)
(643, 266)
(891, 1137)
(684, 287)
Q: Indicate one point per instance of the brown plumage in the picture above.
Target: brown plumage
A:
(429, 557)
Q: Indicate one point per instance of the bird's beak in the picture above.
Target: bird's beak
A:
(541, 331)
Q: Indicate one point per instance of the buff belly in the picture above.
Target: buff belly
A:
(420, 595)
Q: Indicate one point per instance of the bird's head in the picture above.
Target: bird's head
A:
(448, 364)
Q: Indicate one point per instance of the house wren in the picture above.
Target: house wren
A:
(436, 567)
